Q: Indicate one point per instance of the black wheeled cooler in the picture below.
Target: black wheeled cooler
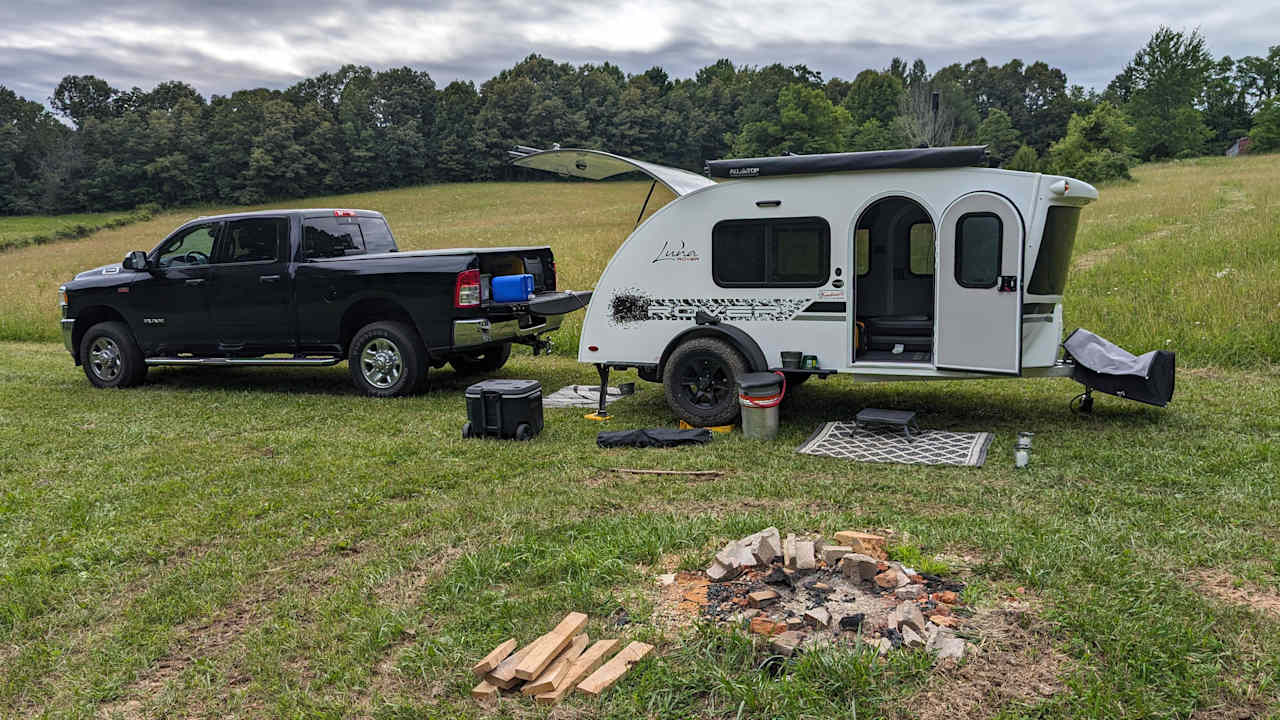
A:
(504, 409)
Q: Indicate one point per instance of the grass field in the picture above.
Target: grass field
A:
(267, 543)
(21, 230)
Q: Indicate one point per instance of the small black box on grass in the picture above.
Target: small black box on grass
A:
(504, 409)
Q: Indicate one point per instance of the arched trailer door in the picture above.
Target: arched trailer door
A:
(978, 316)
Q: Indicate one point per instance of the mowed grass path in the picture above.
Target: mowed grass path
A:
(267, 543)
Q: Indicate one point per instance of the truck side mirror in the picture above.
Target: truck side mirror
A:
(136, 260)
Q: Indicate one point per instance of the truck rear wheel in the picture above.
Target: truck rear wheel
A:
(701, 381)
(111, 357)
(484, 361)
(387, 359)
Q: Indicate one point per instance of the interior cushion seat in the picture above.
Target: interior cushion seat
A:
(900, 325)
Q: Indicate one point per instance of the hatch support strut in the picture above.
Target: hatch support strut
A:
(652, 185)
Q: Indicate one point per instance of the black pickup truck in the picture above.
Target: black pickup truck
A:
(307, 288)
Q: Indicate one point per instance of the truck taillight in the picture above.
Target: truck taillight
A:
(466, 289)
(344, 213)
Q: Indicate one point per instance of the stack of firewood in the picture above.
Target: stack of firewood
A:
(553, 665)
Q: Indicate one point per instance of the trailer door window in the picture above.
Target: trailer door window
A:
(791, 252)
(921, 249)
(862, 243)
(978, 250)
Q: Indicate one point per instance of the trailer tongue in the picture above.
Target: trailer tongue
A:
(1102, 365)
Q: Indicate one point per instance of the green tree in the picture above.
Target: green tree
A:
(1226, 105)
(81, 97)
(1095, 148)
(873, 96)
(1265, 136)
(998, 134)
(1167, 78)
(1025, 159)
(875, 135)
(806, 122)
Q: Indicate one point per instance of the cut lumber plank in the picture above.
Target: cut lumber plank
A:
(543, 650)
(494, 658)
(608, 674)
(485, 693)
(582, 667)
(555, 672)
(504, 676)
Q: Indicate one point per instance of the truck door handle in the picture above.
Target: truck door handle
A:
(195, 281)
(268, 278)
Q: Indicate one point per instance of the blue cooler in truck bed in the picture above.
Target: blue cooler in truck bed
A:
(512, 288)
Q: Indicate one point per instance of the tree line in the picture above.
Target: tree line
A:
(357, 129)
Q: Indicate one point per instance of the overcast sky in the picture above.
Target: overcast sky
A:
(223, 45)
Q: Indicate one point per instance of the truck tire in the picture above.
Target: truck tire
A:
(701, 381)
(111, 357)
(483, 361)
(387, 359)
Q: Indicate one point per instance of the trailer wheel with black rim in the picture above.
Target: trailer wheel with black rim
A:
(111, 357)
(387, 359)
(701, 381)
(483, 361)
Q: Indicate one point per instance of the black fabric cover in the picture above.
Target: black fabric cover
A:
(941, 157)
(653, 437)
(1155, 388)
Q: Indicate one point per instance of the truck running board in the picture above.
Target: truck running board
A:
(303, 361)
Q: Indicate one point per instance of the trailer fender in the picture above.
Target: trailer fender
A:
(735, 336)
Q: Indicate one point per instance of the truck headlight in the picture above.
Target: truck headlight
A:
(62, 296)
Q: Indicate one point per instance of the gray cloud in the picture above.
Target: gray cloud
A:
(222, 45)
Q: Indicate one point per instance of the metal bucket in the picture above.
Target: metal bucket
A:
(759, 395)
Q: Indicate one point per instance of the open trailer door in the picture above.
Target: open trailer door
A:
(598, 165)
(978, 319)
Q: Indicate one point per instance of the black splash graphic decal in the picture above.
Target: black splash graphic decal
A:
(629, 306)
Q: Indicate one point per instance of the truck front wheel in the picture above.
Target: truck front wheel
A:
(111, 357)
(701, 381)
(387, 359)
(485, 361)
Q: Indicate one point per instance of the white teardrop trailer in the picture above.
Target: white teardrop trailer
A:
(889, 265)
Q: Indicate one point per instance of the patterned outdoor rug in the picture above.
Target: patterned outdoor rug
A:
(581, 396)
(849, 441)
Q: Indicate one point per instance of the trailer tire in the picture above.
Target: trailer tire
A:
(483, 361)
(700, 381)
(387, 359)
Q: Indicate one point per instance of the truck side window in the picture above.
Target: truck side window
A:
(783, 252)
(193, 246)
(329, 237)
(978, 240)
(255, 240)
